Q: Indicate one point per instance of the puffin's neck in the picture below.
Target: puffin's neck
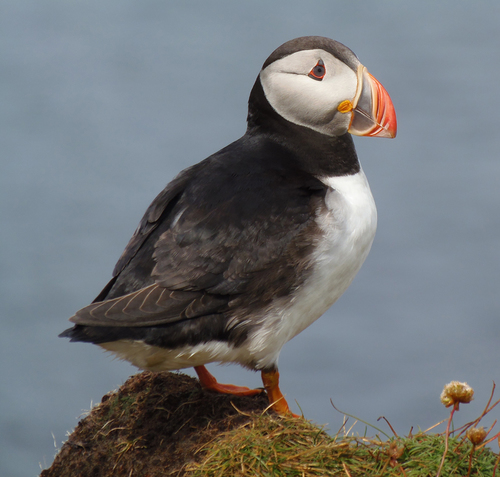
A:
(316, 153)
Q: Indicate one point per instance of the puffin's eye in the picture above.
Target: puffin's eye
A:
(318, 72)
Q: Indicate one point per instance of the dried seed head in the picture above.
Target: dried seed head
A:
(476, 435)
(456, 392)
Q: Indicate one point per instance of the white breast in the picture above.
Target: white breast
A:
(349, 229)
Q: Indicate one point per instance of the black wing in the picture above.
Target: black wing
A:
(232, 232)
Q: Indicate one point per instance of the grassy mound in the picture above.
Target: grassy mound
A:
(160, 424)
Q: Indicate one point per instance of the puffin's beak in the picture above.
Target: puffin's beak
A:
(373, 112)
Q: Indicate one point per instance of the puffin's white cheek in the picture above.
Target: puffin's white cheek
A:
(306, 102)
(307, 109)
(292, 97)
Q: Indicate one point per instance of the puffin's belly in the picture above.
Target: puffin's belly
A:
(155, 358)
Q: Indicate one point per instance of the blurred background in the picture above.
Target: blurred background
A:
(103, 103)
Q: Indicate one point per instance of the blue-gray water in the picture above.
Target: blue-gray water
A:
(102, 103)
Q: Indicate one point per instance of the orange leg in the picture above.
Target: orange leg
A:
(277, 400)
(208, 381)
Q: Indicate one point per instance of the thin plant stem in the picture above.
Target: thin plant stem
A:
(455, 408)
(470, 459)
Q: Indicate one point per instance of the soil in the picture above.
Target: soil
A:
(153, 425)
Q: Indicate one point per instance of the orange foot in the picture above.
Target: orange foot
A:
(209, 382)
(276, 399)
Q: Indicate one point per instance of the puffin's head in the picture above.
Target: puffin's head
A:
(320, 84)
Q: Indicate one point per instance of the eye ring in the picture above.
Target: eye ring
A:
(318, 72)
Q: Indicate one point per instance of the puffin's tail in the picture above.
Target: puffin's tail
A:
(94, 334)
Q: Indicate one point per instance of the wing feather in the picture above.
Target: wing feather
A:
(150, 306)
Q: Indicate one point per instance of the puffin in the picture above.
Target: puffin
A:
(244, 250)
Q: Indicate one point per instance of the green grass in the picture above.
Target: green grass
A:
(276, 446)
